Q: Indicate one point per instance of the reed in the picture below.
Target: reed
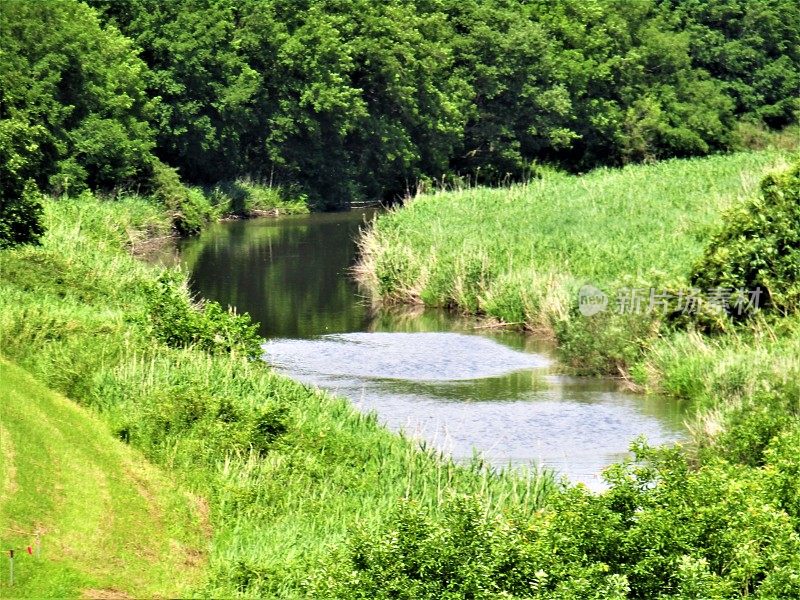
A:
(520, 254)
(288, 471)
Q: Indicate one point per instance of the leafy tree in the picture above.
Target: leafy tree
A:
(356, 98)
(20, 215)
(205, 86)
(752, 47)
(74, 108)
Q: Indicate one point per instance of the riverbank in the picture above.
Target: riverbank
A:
(434, 375)
(308, 497)
(662, 229)
(192, 208)
(287, 472)
(521, 255)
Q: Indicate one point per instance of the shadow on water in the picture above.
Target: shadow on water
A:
(428, 372)
(290, 273)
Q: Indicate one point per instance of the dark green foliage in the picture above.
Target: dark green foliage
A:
(664, 529)
(74, 108)
(20, 216)
(758, 246)
(206, 87)
(363, 99)
(752, 47)
(178, 322)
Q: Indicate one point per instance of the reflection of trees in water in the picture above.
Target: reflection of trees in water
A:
(512, 386)
(416, 318)
(290, 274)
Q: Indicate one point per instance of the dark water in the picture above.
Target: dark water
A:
(430, 373)
(289, 273)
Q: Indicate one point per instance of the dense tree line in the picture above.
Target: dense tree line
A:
(349, 99)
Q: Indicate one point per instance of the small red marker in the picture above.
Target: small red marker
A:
(30, 550)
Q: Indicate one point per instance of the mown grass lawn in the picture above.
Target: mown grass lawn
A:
(106, 521)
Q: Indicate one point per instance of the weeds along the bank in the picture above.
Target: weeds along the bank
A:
(191, 208)
(721, 520)
(520, 255)
(744, 386)
(288, 471)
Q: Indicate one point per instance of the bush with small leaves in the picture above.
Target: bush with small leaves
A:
(758, 246)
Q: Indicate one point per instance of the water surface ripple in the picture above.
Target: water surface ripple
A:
(429, 373)
(463, 393)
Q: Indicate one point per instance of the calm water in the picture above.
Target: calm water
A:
(429, 373)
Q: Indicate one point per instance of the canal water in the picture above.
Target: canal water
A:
(430, 373)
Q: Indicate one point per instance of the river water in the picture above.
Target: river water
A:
(428, 372)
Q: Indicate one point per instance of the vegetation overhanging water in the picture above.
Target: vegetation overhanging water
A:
(436, 375)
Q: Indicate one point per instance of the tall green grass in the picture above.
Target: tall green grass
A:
(192, 208)
(519, 255)
(288, 471)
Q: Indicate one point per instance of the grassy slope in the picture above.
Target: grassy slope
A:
(519, 254)
(73, 313)
(108, 521)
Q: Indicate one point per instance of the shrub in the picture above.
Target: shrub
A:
(178, 322)
(21, 216)
(664, 529)
(69, 178)
(603, 343)
(245, 198)
(189, 209)
(758, 246)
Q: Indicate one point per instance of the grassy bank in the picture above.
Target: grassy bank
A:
(520, 255)
(191, 208)
(95, 514)
(286, 471)
(676, 523)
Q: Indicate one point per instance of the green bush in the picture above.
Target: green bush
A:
(664, 529)
(177, 322)
(603, 343)
(189, 209)
(744, 428)
(784, 468)
(20, 216)
(758, 246)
